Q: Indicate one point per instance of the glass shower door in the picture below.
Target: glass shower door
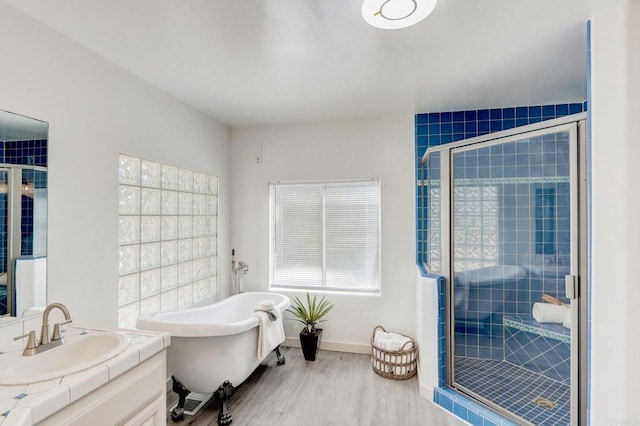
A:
(513, 243)
(4, 238)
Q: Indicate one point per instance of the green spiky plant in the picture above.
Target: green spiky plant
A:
(311, 313)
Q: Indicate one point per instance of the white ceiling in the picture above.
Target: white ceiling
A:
(247, 62)
(14, 127)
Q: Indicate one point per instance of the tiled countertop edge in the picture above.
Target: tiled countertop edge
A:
(31, 403)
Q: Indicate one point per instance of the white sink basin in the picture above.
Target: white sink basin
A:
(77, 353)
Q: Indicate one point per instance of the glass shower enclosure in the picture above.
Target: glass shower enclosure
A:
(504, 229)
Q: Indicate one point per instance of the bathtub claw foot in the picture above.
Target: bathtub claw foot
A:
(223, 394)
(177, 413)
(224, 419)
(281, 359)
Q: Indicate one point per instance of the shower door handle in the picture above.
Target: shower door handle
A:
(571, 286)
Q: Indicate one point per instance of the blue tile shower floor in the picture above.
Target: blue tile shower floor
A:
(514, 388)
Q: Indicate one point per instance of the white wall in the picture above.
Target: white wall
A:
(381, 148)
(615, 371)
(427, 334)
(96, 111)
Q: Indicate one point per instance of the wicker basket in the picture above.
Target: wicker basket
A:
(397, 365)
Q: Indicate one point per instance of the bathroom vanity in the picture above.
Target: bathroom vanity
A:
(128, 388)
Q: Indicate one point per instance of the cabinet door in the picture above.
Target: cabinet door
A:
(153, 415)
(122, 400)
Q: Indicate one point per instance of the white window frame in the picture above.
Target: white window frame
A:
(370, 274)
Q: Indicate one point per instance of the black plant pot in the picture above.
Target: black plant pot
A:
(310, 343)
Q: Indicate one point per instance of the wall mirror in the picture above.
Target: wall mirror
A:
(23, 213)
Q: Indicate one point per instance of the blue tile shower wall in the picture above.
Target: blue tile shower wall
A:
(552, 239)
(533, 222)
(440, 128)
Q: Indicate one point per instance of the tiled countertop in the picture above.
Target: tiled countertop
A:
(31, 403)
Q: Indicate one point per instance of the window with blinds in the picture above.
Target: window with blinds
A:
(325, 235)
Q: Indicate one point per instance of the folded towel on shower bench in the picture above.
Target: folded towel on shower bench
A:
(270, 332)
(547, 312)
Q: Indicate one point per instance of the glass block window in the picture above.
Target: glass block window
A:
(325, 235)
(168, 238)
(476, 213)
(476, 227)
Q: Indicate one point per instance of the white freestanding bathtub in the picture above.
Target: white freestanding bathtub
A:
(213, 344)
(479, 292)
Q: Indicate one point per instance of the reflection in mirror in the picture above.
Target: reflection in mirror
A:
(23, 213)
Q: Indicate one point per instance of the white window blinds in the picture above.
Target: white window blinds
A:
(326, 235)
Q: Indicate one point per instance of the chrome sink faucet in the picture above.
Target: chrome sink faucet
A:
(44, 331)
(32, 343)
(46, 342)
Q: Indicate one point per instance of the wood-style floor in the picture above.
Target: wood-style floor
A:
(336, 389)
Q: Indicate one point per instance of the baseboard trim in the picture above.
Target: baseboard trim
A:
(328, 345)
(427, 393)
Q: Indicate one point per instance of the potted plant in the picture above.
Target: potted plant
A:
(310, 314)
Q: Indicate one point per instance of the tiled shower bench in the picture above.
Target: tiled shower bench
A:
(539, 347)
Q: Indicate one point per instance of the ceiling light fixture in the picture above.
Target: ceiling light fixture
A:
(394, 14)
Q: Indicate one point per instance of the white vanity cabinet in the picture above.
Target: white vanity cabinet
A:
(136, 397)
(153, 414)
(127, 389)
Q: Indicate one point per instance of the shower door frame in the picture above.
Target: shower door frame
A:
(576, 126)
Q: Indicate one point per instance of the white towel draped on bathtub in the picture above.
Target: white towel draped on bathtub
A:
(269, 307)
(270, 333)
